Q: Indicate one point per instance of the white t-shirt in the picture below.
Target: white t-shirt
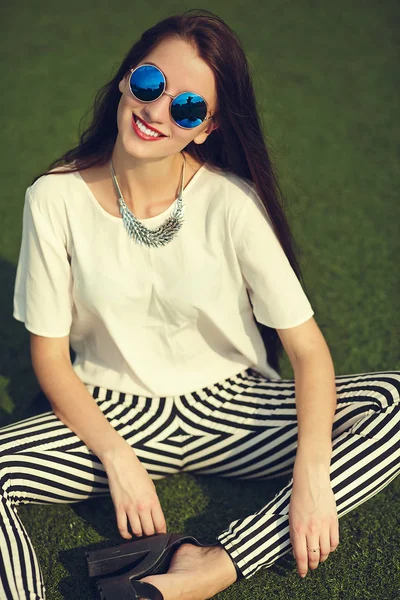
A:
(156, 321)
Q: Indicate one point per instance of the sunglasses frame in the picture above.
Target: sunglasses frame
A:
(168, 94)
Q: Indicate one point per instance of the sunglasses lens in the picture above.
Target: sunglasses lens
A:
(188, 110)
(147, 83)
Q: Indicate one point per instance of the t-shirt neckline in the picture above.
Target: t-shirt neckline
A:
(149, 220)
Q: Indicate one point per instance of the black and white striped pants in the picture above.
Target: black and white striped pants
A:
(244, 427)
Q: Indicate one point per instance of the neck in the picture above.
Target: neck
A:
(145, 181)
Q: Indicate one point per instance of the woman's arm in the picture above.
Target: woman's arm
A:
(69, 398)
(315, 393)
(313, 519)
(132, 490)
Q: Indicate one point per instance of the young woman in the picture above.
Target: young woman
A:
(158, 249)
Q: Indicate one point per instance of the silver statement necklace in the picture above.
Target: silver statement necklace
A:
(161, 235)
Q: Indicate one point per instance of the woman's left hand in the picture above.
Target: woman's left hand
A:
(313, 519)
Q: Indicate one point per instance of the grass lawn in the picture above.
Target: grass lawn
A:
(326, 76)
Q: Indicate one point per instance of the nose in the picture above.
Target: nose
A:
(158, 111)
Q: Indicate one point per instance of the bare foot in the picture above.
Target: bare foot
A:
(195, 573)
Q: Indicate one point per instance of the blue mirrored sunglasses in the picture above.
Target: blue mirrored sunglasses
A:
(188, 109)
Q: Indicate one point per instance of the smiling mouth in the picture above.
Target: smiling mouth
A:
(147, 129)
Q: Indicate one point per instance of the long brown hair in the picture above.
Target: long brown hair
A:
(238, 144)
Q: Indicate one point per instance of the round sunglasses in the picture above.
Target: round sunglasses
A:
(188, 109)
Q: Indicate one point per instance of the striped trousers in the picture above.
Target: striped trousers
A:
(244, 427)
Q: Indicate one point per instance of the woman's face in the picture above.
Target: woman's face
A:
(184, 71)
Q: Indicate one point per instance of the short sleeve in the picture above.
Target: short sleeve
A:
(276, 294)
(43, 284)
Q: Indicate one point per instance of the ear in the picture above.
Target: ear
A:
(122, 84)
(212, 125)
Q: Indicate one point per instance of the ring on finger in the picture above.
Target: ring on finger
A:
(313, 556)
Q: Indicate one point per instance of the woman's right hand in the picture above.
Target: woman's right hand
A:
(133, 493)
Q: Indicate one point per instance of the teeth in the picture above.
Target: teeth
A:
(145, 129)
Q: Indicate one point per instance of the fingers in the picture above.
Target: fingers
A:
(301, 557)
(324, 545)
(122, 522)
(144, 521)
(159, 519)
(334, 534)
(134, 496)
(304, 555)
(298, 540)
(313, 557)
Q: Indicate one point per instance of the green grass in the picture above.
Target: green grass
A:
(326, 76)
